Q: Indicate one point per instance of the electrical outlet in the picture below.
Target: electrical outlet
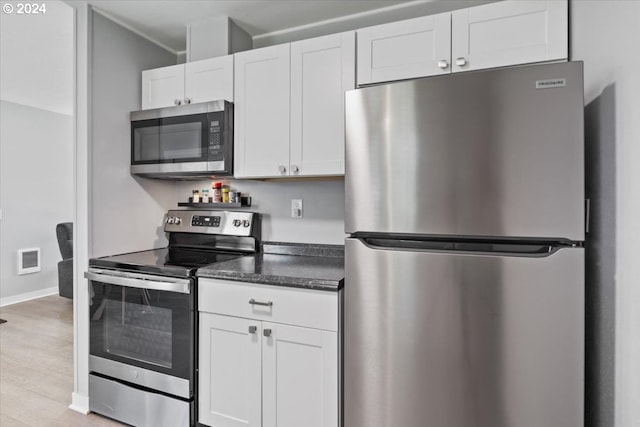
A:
(296, 208)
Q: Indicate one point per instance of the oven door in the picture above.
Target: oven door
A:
(142, 329)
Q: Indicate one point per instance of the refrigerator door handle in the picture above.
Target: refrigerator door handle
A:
(587, 214)
(533, 250)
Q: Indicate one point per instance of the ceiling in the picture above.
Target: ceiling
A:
(268, 21)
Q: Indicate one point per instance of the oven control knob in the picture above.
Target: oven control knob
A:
(246, 223)
(170, 220)
(177, 220)
(237, 223)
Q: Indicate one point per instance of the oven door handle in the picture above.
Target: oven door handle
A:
(182, 286)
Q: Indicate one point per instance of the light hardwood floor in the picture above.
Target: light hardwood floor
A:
(36, 366)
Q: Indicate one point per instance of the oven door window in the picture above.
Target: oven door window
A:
(146, 328)
(170, 140)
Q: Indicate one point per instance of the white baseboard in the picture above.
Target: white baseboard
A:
(79, 403)
(28, 296)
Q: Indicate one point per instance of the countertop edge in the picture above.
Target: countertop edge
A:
(283, 281)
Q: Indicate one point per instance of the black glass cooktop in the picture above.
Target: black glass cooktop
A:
(177, 262)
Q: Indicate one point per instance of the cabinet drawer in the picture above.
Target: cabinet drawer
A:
(293, 306)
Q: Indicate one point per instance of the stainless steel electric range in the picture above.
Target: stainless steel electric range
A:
(143, 318)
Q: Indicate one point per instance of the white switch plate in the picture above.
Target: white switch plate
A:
(296, 208)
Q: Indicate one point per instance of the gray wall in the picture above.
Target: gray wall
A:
(323, 207)
(605, 35)
(36, 193)
(126, 212)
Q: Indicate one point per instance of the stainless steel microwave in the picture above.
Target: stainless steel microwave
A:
(184, 142)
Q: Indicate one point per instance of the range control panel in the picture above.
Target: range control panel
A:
(231, 223)
(205, 221)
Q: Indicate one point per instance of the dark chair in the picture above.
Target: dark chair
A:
(64, 231)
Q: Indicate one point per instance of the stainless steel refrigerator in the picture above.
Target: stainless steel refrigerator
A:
(464, 289)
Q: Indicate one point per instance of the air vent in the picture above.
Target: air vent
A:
(28, 261)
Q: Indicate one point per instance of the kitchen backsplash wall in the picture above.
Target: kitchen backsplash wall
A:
(126, 212)
(323, 207)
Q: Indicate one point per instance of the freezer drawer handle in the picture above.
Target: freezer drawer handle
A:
(266, 304)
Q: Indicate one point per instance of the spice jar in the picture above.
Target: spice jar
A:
(217, 192)
(225, 195)
(195, 196)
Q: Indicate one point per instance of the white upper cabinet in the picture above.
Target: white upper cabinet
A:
(406, 49)
(261, 130)
(493, 35)
(322, 69)
(163, 87)
(209, 80)
(289, 108)
(508, 33)
(198, 81)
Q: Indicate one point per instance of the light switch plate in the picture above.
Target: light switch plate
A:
(296, 208)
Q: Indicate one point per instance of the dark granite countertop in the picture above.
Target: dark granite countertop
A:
(285, 264)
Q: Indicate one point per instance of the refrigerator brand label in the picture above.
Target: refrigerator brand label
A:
(550, 83)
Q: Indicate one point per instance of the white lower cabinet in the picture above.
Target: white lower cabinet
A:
(256, 371)
(230, 372)
(299, 377)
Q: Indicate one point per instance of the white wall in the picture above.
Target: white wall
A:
(114, 212)
(36, 193)
(36, 144)
(323, 207)
(126, 213)
(605, 34)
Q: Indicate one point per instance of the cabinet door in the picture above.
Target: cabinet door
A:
(163, 87)
(229, 371)
(262, 112)
(209, 80)
(508, 33)
(322, 69)
(300, 377)
(406, 49)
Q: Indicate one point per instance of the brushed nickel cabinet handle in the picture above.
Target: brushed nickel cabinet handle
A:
(461, 62)
(266, 332)
(443, 64)
(253, 329)
(266, 304)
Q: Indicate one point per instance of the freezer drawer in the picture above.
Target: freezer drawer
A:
(496, 153)
(463, 340)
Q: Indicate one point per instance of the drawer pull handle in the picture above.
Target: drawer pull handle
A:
(253, 329)
(266, 332)
(266, 304)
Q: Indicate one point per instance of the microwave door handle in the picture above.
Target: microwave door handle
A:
(176, 285)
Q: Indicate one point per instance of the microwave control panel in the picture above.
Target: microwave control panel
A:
(216, 143)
